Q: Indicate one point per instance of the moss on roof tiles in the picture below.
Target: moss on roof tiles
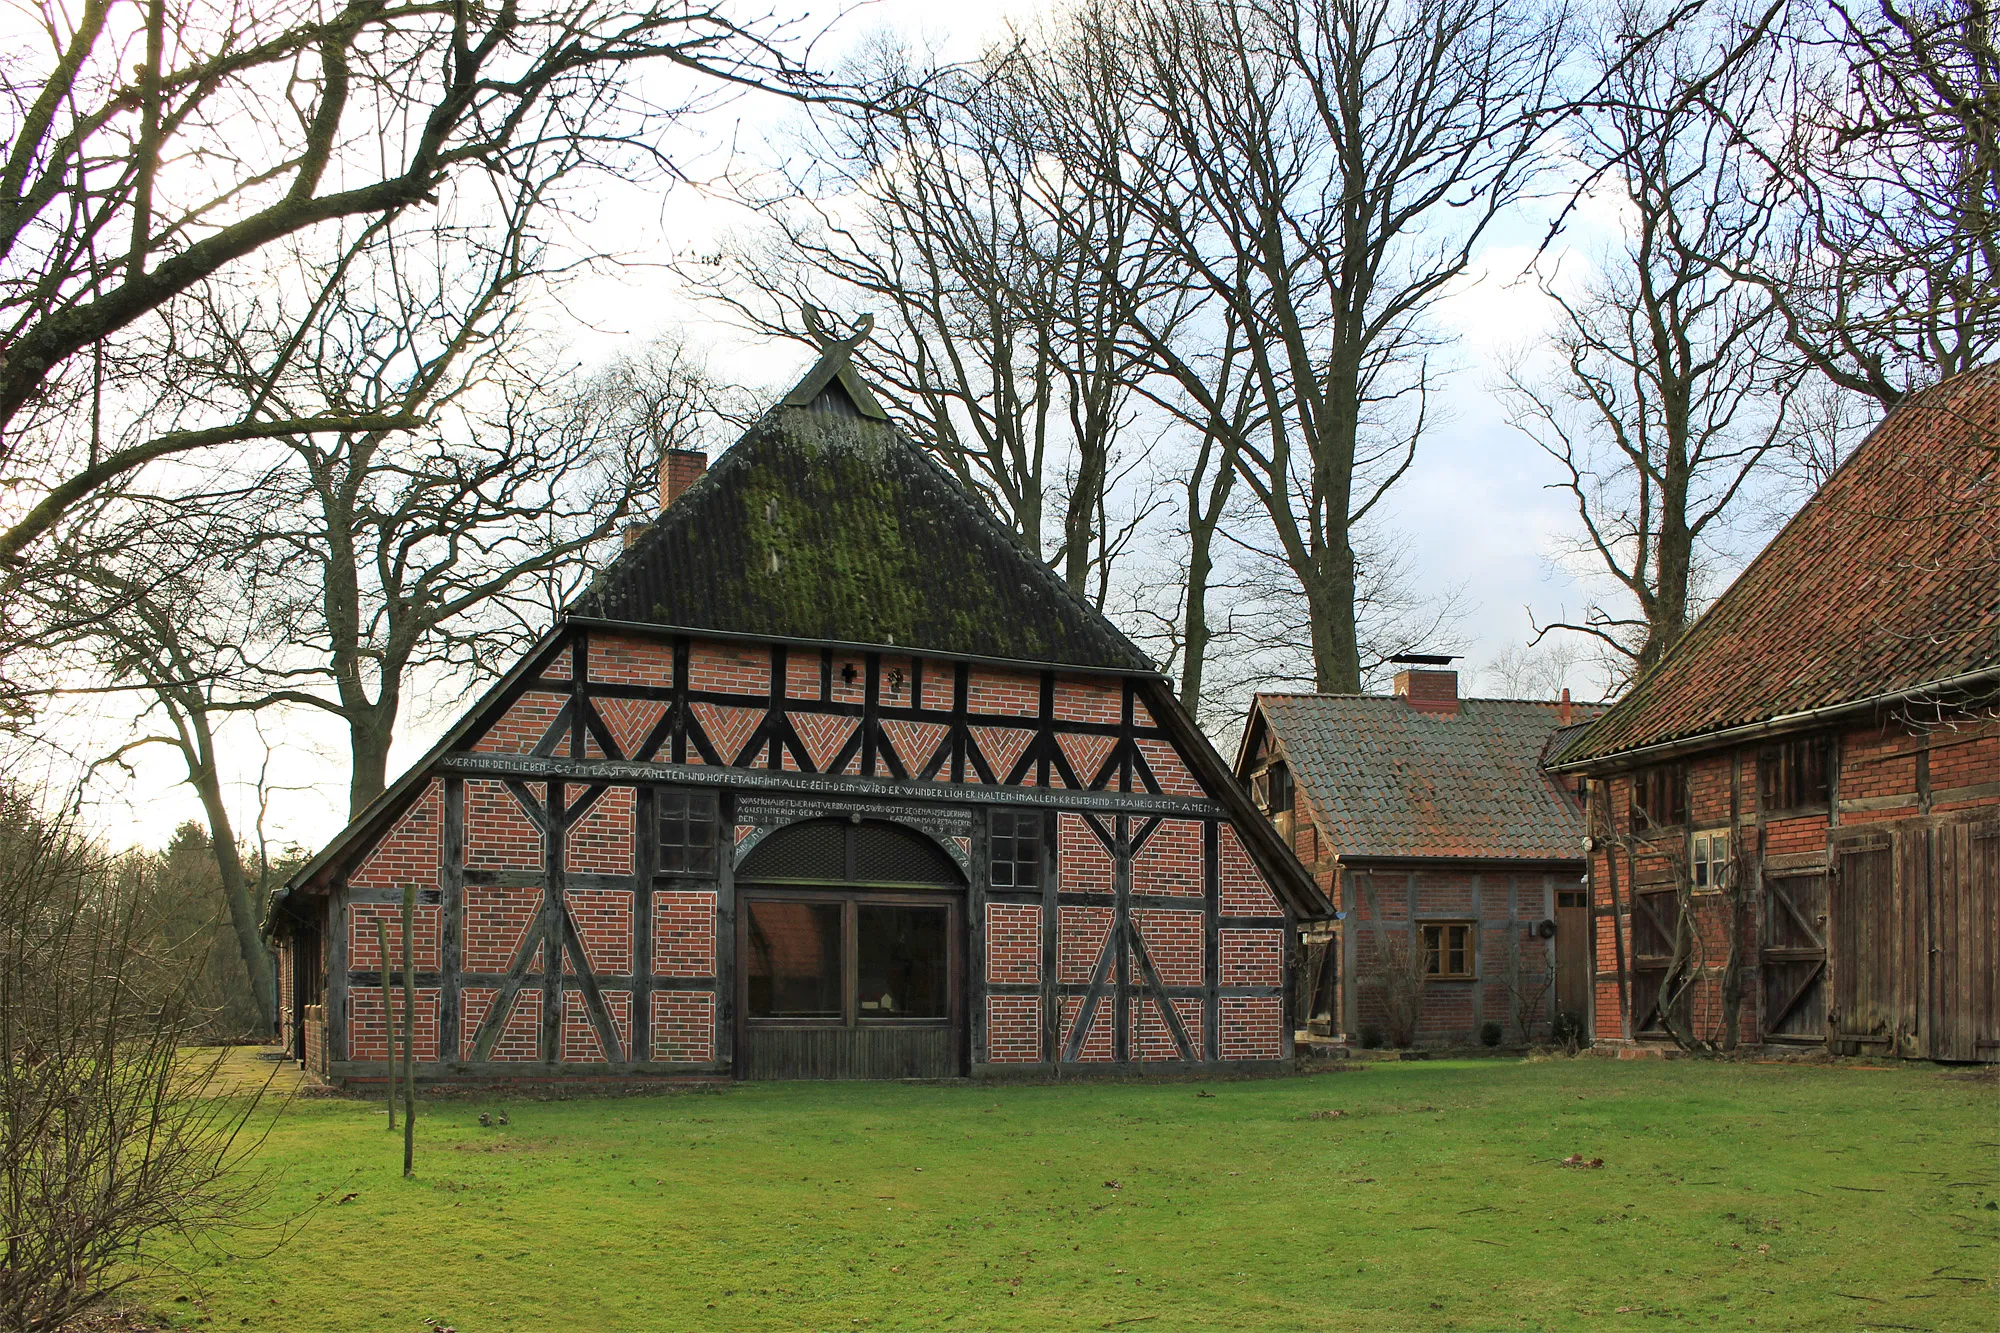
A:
(820, 524)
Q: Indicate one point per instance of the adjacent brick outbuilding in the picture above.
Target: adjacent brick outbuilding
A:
(1428, 822)
(1796, 815)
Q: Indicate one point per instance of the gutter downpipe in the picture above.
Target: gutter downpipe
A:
(1771, 726)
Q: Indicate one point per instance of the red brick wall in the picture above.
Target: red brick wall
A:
(365, 951)
(601, 842)
(1003, 692)
(1878, 781)
(1173, 941)
(604, 921)
(366, 1039)
(684, 933)
(522, 727)
(496, 921)
(1096, 1047)
(684, 1026)
(408, 854)
(1252, 957)
(729, 668)
(1084, 863)
(1080, 936)
(1013, 1029)
(498, 833)
(1171, 861)
(1251, 1029)
(1013, 944)
(1243, 890)
(581, 1044)
(618, 660)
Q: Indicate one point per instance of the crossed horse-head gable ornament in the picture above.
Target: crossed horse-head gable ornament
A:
(836, 362)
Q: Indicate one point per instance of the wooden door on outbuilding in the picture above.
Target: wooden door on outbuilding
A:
(1916, 942)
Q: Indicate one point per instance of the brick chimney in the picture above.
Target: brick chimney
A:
(1564, 712)
(1426, 683)
(680, 469)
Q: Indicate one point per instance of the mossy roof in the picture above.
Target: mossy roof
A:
(825, 522)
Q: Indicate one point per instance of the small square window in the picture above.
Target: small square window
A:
(1014, 850)
(687, 832)
(1448, 950)
(1710, 862)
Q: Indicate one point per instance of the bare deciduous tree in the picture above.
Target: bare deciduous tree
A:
(999, 281)
(1880, 134)
(1337, 163)
(155, 149)
(1671, 385)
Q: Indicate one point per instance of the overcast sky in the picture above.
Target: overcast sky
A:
(1474, 509)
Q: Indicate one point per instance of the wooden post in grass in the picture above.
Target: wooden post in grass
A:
(409, 1035)
(388, 1022)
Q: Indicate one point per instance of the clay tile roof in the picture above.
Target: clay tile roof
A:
(1887, 580)
(825, 522)
(1386, 780)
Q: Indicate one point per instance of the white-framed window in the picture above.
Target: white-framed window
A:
(1710, 862)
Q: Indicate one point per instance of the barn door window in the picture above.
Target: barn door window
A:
(1659, 797)
(834, 959)
(687, 832)
(1795, 775)
(796, 967)
(1014, 846)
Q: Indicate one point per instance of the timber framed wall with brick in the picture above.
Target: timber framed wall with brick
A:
(1868, 924)
(550, 939)
(1505, 903)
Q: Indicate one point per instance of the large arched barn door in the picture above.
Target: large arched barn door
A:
(850, 954)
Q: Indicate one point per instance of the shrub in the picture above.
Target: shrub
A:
(1489, 1033)
(109, 1131)
(1566, 1031)
(1402, 963)
(1371, 1037)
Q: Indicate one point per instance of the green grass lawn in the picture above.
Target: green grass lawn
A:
(1771, 1196)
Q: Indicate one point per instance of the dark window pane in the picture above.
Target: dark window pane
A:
(1433, 939)
(794, 966)
(687, 832)
(1014, 850)
(903, 962)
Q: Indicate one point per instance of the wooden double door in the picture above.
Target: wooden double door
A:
(1915, 942)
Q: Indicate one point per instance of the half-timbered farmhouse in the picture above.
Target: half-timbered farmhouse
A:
(1796, 814)
(823, 776)
(1428, 822)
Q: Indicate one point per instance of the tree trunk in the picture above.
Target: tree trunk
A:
(369, 736)
(243, 909)
(1329, 589)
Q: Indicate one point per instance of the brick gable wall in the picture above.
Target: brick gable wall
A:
(516, 976)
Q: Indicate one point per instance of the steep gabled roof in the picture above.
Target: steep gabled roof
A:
(1384, 779)
(1887, 581)
(825, 522)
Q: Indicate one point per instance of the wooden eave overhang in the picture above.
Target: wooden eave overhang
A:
(1952, 690)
